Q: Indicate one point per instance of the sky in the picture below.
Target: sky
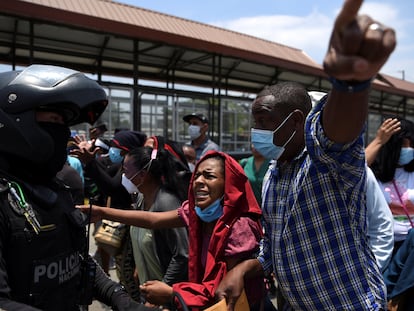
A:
(302, 24)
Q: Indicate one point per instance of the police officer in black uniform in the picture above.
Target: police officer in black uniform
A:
(44, 261)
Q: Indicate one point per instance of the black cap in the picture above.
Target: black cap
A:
(128, 140)
(199, 116)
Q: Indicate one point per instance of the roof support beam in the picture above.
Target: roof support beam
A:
(136, 99)
(13, 47)
(31, 44)
(98, 61)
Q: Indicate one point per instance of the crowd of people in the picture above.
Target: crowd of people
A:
(318, 211)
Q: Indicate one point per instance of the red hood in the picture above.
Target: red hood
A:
(239, 200)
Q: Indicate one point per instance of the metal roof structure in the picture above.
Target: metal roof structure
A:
(104, 37)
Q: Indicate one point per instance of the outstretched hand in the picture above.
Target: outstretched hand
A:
(84, 155)
(359, 46)
(82, 142)
(86, 151)
(94, 211)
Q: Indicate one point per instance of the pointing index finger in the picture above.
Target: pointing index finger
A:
(348, 13)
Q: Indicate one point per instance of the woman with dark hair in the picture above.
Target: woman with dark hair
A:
(223, 221)
(394, 169)
(180, 178)
(160, 254)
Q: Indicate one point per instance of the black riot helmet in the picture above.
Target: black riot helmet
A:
(42, 87)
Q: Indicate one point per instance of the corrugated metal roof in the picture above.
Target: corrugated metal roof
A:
(100, 36)
(177, 28)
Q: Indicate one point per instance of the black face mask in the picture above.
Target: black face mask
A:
(60, 134)
(46, 170)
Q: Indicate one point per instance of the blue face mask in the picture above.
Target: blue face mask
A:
(210, 213)
(262, 140)
(115, 155)
(406, 155)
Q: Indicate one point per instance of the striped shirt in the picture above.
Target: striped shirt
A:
(315, 226)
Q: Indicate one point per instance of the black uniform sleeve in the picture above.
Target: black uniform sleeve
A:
(113, 294)
(10, 305)
(107, 183)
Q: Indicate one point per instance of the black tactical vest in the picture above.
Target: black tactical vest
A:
(43, 269)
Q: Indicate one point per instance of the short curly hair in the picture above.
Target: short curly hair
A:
(287, 96)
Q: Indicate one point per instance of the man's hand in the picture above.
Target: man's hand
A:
(231, 287)
(359, 46)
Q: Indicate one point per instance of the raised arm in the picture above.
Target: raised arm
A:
(143, 219)
(358, 48)
(388, 128)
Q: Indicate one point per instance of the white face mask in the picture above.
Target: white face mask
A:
(194, 131)
(128, 184)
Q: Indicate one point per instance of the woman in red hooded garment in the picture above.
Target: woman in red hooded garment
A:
(223, 220)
